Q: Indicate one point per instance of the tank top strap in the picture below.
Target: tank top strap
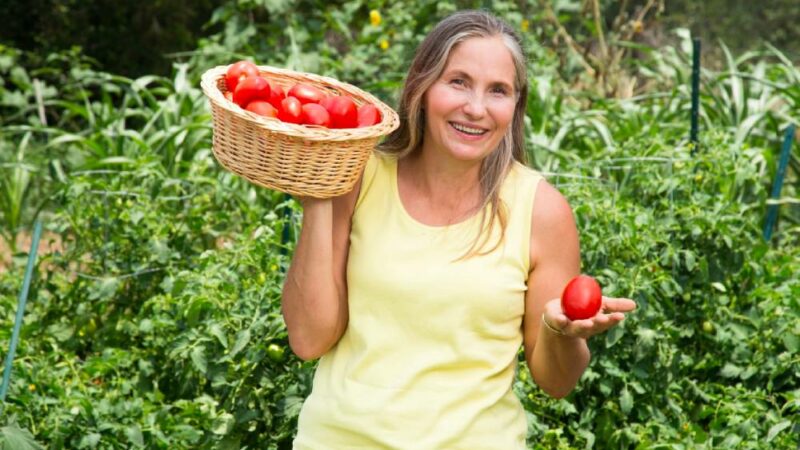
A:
(519, 193)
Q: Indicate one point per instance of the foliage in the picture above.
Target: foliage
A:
(158, 325)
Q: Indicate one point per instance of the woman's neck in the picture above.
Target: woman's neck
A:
(447, 183)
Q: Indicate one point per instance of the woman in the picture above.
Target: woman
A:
(417, 288)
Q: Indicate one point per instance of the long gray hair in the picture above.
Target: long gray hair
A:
(426, 68)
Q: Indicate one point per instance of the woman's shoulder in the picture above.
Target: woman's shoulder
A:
(550, 210)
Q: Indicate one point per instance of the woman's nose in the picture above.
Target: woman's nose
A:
(474, 104)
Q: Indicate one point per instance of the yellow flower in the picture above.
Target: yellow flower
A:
(384, 44)
(525, 25)
(374, 17)
(31, 387)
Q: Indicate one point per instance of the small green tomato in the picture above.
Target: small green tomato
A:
(275, 352)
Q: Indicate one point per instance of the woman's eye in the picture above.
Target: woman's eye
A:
(458, 82)
(499, 91)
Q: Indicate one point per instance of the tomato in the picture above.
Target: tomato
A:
(276, 95)
(368, 115)
(581, 298)
(262, 108)
(239, 71)
(275, 352)
(306, 93)
(249, 89)
(327, 102)
(314, 114)
(344, 113)
(291, 110)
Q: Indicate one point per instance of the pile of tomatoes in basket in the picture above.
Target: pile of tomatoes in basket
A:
(303, 104)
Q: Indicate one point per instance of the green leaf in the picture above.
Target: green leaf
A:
(198, 356)
(90, 440)
(134, 434)
(216, 331)
(614, 335)
(730, 370)
(792, 342)
(777, 428)
(223, 424)
(242, 339)
(626, 400)
(12, 437)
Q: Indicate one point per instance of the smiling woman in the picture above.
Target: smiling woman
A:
(417, 289)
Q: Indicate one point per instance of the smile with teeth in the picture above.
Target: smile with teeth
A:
(468, 130)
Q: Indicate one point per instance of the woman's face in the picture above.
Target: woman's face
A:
(470, 107)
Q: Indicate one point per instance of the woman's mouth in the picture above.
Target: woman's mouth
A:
(469, 131)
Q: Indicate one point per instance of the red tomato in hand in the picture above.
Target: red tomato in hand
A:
(249, 89)
(291, 110)
(581, 298)
(343, 111)
(314, 114)
(262, 108)
(306, 93)
(239, 71)
(368, 115)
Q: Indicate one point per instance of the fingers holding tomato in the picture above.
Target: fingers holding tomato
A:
(582, 311)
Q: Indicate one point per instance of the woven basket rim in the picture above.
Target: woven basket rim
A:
(210, 82)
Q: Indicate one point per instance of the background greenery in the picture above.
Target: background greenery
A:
(156, 321)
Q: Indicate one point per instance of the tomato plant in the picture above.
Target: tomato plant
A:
(581, 298)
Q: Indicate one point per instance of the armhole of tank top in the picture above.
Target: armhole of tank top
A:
(367, 177)
(532, 180)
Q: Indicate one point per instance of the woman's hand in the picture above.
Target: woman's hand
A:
(612, 312)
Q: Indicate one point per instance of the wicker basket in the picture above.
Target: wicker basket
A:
(295, 159)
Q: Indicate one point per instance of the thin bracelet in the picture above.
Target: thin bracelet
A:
(550, 327)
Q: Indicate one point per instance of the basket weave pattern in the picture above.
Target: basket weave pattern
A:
(296, 159)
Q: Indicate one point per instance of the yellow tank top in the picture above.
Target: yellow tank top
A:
(428, 358)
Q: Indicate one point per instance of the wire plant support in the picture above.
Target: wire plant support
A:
(772, 209)
(23, 297)
(695, 93)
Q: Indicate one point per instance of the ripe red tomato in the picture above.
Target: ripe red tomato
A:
(239, 71)
(262, 108)
(306, 93)
(327, 102)
(249, 89)
(314, 114)
(368, 115)
(291, 110)
(581, 298)
(276, 95)
(343, 111)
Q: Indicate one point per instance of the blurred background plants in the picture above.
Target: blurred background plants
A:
(154, 320)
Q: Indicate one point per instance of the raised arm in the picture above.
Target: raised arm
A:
(314, 299)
